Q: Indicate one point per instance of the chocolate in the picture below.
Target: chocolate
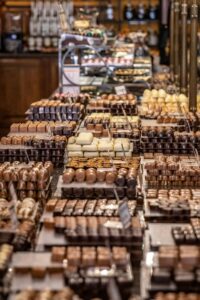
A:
(58, 254)
(80, 175)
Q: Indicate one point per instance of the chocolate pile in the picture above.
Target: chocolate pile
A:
(121, 177)
(78, 207)
(40, 127)
(168, 172)
(178, 265)
(31, 148)
(95, 229)
(30, 180)
(55, 110)
(188, 234)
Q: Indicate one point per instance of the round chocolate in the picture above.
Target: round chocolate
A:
(80, 175)
(91, 176)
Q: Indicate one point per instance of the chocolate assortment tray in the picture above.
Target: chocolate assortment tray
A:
(175, 268)
(85, 144)
(27, 209)
(29, 180)
(94, 230)
(33, 148)
(29, 294)
(81, 98)
(176, 296)
(188, 234)
(172, 172)
(107, 61)
(55, 110)
(65, 128)
(158, 102)
(168, 141)
(168, 205)
(85, 207)
(116, 105)
(122, 177)
(85, 266)
(87, 185)
(6, 252)
(189, 121)
(19, 234)
(105, 125)
(103, 162)
(129, 75)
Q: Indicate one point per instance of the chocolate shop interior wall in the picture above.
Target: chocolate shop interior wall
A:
(24, 79)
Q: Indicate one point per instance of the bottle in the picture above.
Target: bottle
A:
(152, 13)
(141, 12)
(109, 12)
(152, 38)
(128, 12)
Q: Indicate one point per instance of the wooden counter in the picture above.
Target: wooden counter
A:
(24, 78)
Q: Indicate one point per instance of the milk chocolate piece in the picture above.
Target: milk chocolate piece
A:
(58, 254)
(161, 276)
(80, 175)
(110, 177)
(88, 256)
(51, 205)
(59, 224)
(49, 222)
(91, 176)
(59, 208)
(74, 256)
(68, 176)
(38, 272)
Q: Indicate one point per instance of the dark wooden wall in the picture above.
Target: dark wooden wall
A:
(24, 79)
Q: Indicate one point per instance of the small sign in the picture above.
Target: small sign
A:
(110, 207)
(49, 130)
(124, 214)
(112, 169)
(13, 204)
(113, 290)
(59, 116)
(71, 79)
(12, 191)
(113, 224)
(27, 156)
(120, 90)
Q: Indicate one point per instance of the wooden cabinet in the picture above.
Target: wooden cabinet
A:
(24, 79)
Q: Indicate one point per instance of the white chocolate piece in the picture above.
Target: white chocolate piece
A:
(75, 154)
(84, 138)
(112, 154)
(126, 154)
(121, 146)
(91, 154)
(71, 140)
(90, 148)
(105, 146)
(74, 147)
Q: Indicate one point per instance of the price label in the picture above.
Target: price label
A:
(113, 224)
(13, 203)
(120, 90)
(124, 214)
(113, 290)
(59, 116)
(71, 79)
(12, 191)
(106, 169)
(110, 207)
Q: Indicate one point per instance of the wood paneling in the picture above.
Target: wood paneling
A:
(22, 81)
